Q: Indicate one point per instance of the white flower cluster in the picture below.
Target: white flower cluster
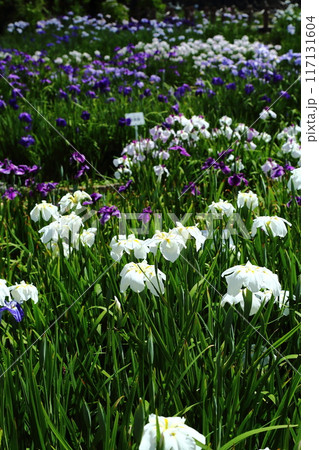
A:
(259, 281)
(189, 132)
(216, 51)
(20, 292)
(73, 55)
(169, 243)
(174, 434)
(64, 228)
(238, 133)
(295, 180)
(19, 26)
(291, 145)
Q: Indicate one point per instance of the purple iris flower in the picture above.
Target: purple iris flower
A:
(277, 172)
(63, 94)
(126, 186)
(122, 122)
(175, 108)
(217, 81)
(84, 168)
(13, 308)
(106, 212)
(45, 188)
(11, 193)
(95, 196)
(237, 179)
(91, 94)
(199, 92)
(208, 163)
(277, 77)
(222, 166)
(111, 100)
(296, 198)
(25, 117)
(192, 188)
(181, 150)
(147, 92)
(13, 103)
(127, 91)
(154, 79)
(2, 104)
(74, 88)
(78, 157)
(61, 122)
(162, 98)
(26, 141)
(16, 93)
(210, 93)
(145, 216)
(288, 167)
(85, 115)
(224, 153)
(285, 94)
(231, 86)
(266, 98)
(249, 88)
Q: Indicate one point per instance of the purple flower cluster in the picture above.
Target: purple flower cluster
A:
(79, 159)
(106, 212)
(11, 193)
(7, 167)
(125, 186)
(211, 162)
(237, 179)
(26, 141)
(95, 196)
(14, 308)
(124, 122)
(191, 187)
(145, 216)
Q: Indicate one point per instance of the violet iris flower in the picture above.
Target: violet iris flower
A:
(14, 308)
(78, 157)
(122, 122)
(84, 168)
(285, 94)
(217, 81)
(45, 188)
(175, 108)
(192, 188)
(26, 141)
(106, 212)
(25, 117)
(61, 122)
(11, 193)
(63, 94)
(85, 115)
(224, 153)
(297, 200)
(145, 216)
(237, 179)
(126, 186)
(162, 98)
(266, 98)
(249, 88)
(181, 150)
(277, 172)
(95, 196)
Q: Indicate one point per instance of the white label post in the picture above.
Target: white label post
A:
(137, 118)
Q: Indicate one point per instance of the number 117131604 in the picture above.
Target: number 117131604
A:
(310, 49)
